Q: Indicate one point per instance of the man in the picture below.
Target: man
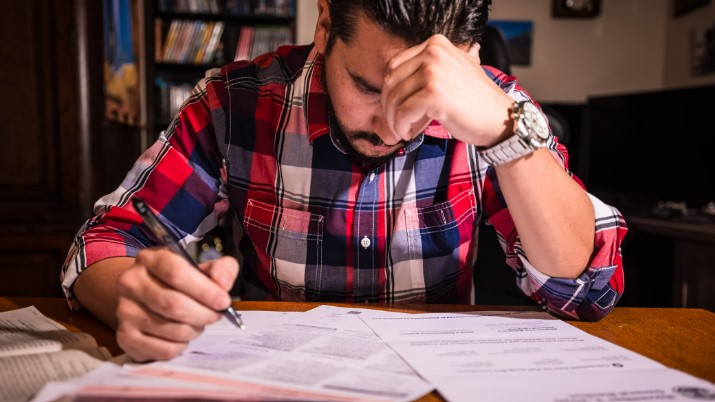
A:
(358, 169)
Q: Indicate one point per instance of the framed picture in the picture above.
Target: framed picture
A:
(703, 50)
(518, 36)
(575, 8)
(121, 64)
(681, 7)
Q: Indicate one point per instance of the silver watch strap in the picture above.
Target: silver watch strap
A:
(506, 151)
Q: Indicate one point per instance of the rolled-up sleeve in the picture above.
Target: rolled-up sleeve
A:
(179, 177)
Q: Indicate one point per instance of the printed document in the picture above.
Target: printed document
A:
(319, 355)
(509, 356)
(34, 350)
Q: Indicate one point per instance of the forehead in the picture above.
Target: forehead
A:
(369, 50)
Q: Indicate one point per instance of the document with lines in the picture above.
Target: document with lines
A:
(511, 356)
(281, 356)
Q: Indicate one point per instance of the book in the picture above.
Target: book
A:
(34, 350)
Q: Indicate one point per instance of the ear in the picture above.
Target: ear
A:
(322, 27)
(474, 50)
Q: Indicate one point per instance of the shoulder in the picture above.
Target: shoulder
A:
(504, 81)
(281, 66)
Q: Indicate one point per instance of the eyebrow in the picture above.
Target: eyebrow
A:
(364, 84)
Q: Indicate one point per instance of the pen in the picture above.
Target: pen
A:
(154, 225)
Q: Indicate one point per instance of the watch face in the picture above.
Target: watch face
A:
(534, 122)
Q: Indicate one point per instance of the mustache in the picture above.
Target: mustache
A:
(372, 138)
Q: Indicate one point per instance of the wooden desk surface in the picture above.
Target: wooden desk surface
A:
(680, 338)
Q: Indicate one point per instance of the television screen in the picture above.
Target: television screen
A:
(642, 148)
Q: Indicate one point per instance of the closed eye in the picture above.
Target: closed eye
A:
(363, 86)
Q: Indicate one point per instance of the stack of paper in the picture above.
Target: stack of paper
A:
(35, 350)
(342, 354)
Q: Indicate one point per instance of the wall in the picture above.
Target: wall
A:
(678, 50)
(619, 51)
(306, 17)
(634, 45)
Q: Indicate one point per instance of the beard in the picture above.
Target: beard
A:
(348, 138)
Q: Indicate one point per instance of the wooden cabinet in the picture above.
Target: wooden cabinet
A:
(46, 132)
(670, 263)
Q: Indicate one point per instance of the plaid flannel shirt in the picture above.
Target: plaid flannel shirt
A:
(311, 224)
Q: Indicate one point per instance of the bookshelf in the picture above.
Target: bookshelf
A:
(184, 38)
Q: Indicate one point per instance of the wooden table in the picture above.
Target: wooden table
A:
(680, 338)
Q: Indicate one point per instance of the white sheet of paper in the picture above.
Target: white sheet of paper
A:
(514, 356)
(224, 330)
(313, 352)
(584, 386)
(22, 376)
(27, 330)
(498, 342)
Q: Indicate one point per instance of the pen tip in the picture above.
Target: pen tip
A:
(243, 327)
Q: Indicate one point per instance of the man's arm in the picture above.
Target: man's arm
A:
(566, 242)
(156, 300)
(96, 288)
(552, 213)
(437, 81)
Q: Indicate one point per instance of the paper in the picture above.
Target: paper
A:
(26, 331)
(22, 376)
(224, 330)
(512, 356)
(31, 353)
(586, 386)
(323, 350)
(327, 354)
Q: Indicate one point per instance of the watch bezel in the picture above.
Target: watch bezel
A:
(520, 116)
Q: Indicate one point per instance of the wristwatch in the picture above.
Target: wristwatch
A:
(531, 132)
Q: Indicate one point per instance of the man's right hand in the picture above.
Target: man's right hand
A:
(157, 301)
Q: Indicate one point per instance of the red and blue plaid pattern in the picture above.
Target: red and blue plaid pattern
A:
(309, 223)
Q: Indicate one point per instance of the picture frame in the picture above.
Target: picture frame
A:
(575, 8)
(518, 35)
(682, 7)
(121, 62)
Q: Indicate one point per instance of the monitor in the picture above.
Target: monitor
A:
(638, 149)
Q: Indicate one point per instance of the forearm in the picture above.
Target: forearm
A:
(96, 288)
(552, 213)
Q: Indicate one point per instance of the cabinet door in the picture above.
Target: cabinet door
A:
(694, 275)
(44, 149)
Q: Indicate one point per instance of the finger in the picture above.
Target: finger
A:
(151, 324)
(397, 85)
(223, 271)
(176, 273)
(406, 54)
(143, 288)
(142, 347)
(415, 113)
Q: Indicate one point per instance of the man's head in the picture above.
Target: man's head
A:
(358, 39)
(461, 21)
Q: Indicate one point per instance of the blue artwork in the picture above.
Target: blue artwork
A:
(121, 73)
(518, 35)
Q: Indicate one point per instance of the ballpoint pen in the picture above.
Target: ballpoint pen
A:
(163, 235)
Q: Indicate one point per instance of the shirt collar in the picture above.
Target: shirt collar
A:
(316, 111)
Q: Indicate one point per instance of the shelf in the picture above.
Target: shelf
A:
(168, 78)
(243, 19)
(189, 67)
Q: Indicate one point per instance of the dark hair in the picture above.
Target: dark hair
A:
(461, 21)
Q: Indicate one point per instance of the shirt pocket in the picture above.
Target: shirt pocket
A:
(440, 243)
(289, 244)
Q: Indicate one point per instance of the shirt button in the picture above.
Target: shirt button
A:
(365, 242)
(372, 176)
